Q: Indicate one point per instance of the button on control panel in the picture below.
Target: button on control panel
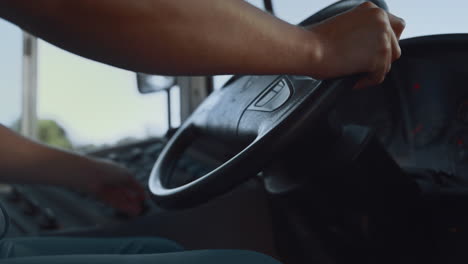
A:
(273, 97)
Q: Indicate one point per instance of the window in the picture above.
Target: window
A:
(431, 17)
(85, 105)
(10, 75)
(422, 17)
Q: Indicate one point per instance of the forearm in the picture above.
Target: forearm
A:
(169, 36)
(24, 161)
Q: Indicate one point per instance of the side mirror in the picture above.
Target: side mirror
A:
(154, 83)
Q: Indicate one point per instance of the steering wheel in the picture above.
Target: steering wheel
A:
(256, 117)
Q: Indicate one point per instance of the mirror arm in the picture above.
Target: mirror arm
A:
(169, 108)
(269, 6)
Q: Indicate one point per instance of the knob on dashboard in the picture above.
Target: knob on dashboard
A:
(30, 206)
(14, 195)
(48, 220)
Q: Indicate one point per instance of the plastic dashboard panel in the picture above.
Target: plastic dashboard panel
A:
(421, 110)
(46, 210)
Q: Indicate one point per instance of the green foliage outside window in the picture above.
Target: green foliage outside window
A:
(51, 133)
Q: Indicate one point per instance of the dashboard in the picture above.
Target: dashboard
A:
(45, 210)
(420, 113)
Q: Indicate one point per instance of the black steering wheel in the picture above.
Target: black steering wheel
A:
(256, 117)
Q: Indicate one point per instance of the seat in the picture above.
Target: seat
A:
(117, 250)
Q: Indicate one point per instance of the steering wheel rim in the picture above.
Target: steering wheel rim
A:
(235, 113)
(309, 99)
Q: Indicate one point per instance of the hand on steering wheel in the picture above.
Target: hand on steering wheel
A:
(362, 40)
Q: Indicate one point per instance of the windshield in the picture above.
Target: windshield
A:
(84, 105)
(422, 17)
(10, 75)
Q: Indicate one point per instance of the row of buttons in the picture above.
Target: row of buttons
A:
(45, 217)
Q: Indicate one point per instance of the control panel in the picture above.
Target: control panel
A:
(37, 209)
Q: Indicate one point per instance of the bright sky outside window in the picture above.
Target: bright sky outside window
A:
(10, 74)
(422, 17)
(93, 103)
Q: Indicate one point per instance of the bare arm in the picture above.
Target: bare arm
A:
(24, 161)
(212, 37)
(166, 36)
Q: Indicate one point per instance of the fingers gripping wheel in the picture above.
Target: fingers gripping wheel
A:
(261, 113)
